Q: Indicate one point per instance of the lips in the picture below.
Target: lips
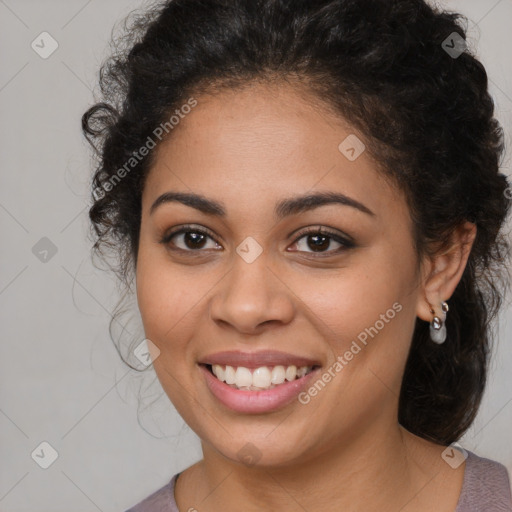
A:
(255, 402)
(250, 400)
(254, 360)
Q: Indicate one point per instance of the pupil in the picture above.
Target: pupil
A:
(196, 240)
(324, 242)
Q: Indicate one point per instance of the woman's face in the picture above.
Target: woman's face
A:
(264, 289)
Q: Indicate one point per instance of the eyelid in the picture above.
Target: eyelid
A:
(346, 242)
(191, 227)
(166, 238)
(324, 230)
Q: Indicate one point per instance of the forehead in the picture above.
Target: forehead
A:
(263, 142)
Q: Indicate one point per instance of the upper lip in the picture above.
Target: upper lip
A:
(257, 359)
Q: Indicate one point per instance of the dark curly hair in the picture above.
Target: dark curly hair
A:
(383, 65)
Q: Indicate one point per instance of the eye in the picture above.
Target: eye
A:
(189, 239)
(192, 239)
(319, 240)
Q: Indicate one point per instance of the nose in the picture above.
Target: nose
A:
(251, 295)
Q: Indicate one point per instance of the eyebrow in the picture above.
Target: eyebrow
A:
(283, 208)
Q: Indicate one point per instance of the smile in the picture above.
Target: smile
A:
(259, 381)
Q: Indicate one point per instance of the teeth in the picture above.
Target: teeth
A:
(229, 374)
(259, 378)
(291, 372)
(278, 375)
(301, 371)
(243, 377)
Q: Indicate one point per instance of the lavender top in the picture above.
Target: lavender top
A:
(486, 487)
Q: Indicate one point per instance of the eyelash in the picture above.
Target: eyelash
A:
(345, 243)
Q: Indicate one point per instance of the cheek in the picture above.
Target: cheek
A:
(165, 292)
(165, 297)
(352, 299)
(366, 312)
(166, 300)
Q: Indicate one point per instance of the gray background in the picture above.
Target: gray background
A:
(61, 379)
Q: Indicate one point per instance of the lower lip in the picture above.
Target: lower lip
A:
(256, 401)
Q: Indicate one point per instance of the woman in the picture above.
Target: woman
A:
(309, 199)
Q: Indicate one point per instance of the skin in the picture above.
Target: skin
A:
(344, 450)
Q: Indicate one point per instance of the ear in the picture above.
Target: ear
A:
(442, 272)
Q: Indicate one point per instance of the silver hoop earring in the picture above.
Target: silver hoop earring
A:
(438, 325)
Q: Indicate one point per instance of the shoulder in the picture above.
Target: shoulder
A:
(161, 500)
(486, 486)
